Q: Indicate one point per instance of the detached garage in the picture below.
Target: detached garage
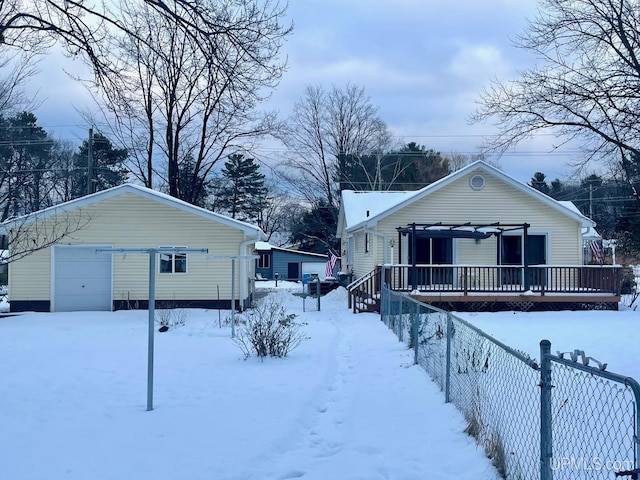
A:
(63, 270)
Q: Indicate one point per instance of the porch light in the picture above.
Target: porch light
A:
(392, 242)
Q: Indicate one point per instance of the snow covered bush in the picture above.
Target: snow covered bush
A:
(267, 330)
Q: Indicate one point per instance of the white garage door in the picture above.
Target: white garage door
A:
(82, 279)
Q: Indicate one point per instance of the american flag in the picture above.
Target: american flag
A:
(596, 251)
(331, 263)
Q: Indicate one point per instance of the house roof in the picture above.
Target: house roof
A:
(129, 188)
(266, 246)
(379, 205)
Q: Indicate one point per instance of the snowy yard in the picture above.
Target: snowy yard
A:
(609, 336)
(346, 404)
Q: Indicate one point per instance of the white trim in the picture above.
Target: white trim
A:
(173, 260)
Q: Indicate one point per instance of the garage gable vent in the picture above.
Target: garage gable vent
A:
(477, 182)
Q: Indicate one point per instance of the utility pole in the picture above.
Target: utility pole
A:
(591, 199)
(90, 163)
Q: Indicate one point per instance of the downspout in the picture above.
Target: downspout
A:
(243, 268)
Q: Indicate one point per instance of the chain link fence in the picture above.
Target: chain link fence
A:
(582, 423)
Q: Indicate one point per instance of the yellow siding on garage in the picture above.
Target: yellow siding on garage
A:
(132, 221)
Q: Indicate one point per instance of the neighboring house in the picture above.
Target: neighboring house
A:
(475, 232)
(289, 264)
(72, 275)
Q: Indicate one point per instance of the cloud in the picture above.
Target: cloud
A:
(478, 61)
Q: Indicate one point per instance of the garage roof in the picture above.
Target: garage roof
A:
(130, 188)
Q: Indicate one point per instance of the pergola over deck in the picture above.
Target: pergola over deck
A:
(487, 287)
(476, 231)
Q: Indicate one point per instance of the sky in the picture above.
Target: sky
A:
(347, 403)
(423, 64)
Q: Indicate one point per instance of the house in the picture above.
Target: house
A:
(69, 269)
(476, 237)
(289, 264)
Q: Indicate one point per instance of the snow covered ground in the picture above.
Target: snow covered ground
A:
(612, 337)
(346, 404)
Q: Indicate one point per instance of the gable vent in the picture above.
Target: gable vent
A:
(477, 182)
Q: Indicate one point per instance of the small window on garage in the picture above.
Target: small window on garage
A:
(173, 262)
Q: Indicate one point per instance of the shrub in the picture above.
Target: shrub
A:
(267, 330)
(628, 281)
(167, 315)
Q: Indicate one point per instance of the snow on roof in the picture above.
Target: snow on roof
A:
(263, 246)
(361, 205)
(266, 246)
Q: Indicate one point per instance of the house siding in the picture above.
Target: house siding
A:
(457, 202)
(281, 260)
(132, 221)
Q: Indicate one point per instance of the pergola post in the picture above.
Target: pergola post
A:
(525, 245)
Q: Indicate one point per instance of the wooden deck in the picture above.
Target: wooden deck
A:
(493, 287)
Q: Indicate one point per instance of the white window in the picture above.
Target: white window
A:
(172, 262)
(264, 261)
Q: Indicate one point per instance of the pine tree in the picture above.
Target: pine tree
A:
(108, 168)
(242, 193)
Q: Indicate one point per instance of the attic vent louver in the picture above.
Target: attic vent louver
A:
(477, 182)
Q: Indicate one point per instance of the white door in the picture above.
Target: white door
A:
(82, 279)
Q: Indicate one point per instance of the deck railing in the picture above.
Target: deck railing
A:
(510, 279)
(487, 279)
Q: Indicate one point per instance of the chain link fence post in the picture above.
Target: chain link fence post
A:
(398, 321)
(447, 378)
(546, 443)
(383, 294)
(414, 332)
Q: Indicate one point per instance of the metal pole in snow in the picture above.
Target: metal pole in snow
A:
(233, 298)
(152, 302)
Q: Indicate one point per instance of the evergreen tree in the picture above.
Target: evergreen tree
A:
(107, 166)
(26, 161)
(191, 183)
(315, 230)
(242, 193)
(539, 182)
(557, 189)
(413, 167)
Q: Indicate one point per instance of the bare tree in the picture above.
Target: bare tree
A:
(280, 212)
(16, 69)
(82, 27)
(587, 87)
(191, 103)
(459, 160)
(324, 130)
(39, 230)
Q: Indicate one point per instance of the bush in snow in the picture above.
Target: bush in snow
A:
(267, 329)
(167, 315)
